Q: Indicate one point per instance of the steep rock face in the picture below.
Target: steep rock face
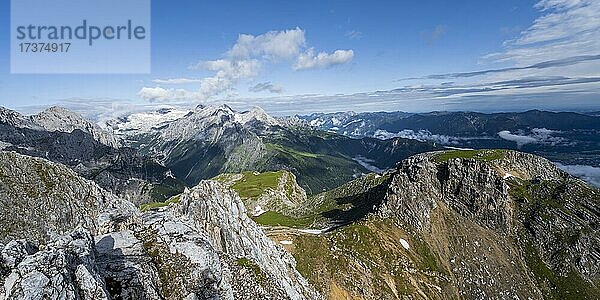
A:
(125, 266)
(40, 199)
(477, 188)
(63, 269)
(16, 119)
(122, 171)
(477, 192)
(479, 224)
(560, 221)
(176, 124)
(58, 119)
(168, 257)
(528, 166)
(221, 214)
(162, 257)
(522, 203)
(414, 205)
(202, 143)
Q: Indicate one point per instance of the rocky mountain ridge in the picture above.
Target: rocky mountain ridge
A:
(270, 191)
(450, 224)
(58, 119)
(202, 246)
(467, 225)
(42, 200)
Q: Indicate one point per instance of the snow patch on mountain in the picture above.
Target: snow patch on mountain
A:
(147, 121)
(255, 114)
(404, 244)
(187, 124)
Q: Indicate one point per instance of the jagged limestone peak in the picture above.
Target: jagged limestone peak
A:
(220, 212)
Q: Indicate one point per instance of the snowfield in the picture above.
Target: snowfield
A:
(404, 244)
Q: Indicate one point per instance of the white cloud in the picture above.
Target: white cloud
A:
(587, 173)
(367, 163)
(266, 86)
(353, 34)
(162, 94)
(560, 50)
(308, 59)
(176, 81)
(234, 69)
(519, 139)
(420, 135)
(154, 93)
(537, 136)
(567, 28)
(273, 45)
(228, 74)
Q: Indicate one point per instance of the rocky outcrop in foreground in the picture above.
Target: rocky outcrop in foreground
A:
(202, 246)
(479, 224)
(40, 200)
(498, 217)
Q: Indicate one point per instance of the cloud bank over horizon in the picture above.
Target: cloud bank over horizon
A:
(587, 173)
(535, 136)
(557, 56)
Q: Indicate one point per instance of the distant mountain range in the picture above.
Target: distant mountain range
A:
(462, 124)
(353, 124)
(210, 140)
(566, 137)
(157, 153)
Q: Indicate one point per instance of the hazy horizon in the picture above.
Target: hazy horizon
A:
(96, 109)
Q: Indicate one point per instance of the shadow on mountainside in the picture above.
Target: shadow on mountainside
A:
(120, 275)
(360, 205)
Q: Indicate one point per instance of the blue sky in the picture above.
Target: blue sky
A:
(345, 55)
